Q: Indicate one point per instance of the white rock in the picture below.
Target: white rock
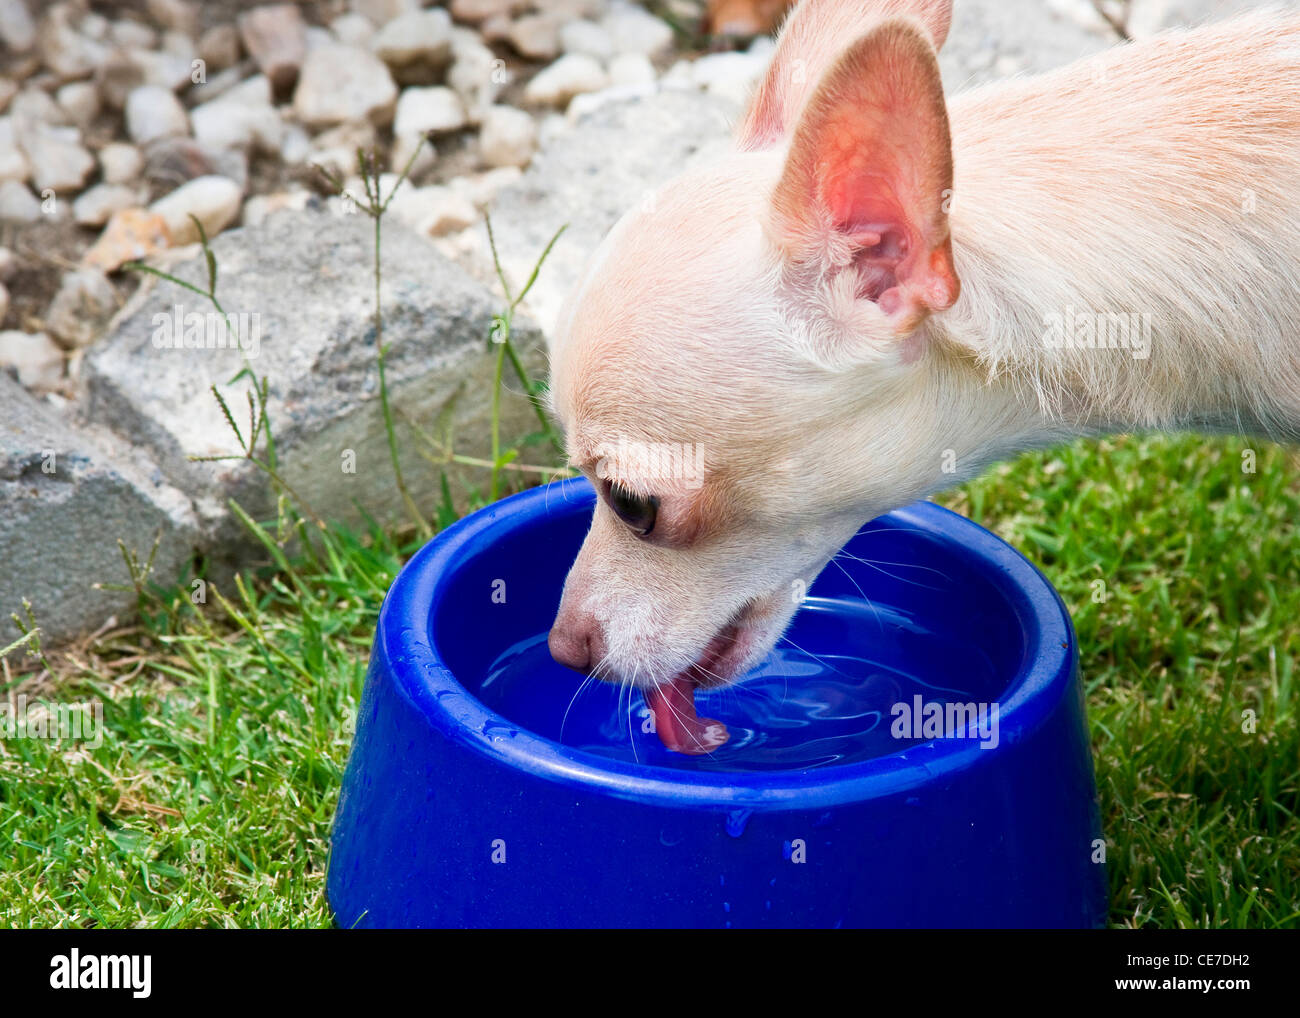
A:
(295, 144)
(536, 36)
(215, 201)
(13, 163)
(241, 118)
(35, 106)
(133, 35)
(83, 304)
(339, 84)
(475, 11)
(56, 156)
(275, 36)
(434, 211)
(175, 15)
(336, 149)
(153, 112)
(64, 50)
(571, 75)
(582, 36)
(120, 163)
(731, 75)
(437, 109)
(508, 137)
(219, 48)
(634, 30)
(95, 206)
(352, 29)
(170, 71)
(17, 29)
(420, 37)
(8, 89)
(80, 101)
(4, 301)
(631, 69)
(8, 265)
(33, 357)
(381, 12)
(404, 147)
(259, 207)
(17, 204)
(476, 74)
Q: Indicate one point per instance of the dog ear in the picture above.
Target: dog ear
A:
(812, 36)
(868, 179)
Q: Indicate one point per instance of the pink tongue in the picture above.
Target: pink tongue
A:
(678, 728)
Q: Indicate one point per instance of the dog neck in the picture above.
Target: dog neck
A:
(1113, 277)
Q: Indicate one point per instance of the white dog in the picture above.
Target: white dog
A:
(877, 284)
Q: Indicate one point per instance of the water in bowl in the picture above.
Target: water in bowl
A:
(824, 697)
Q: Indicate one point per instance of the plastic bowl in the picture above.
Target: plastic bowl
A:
(487, 789)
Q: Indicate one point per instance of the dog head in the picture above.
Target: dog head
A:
(738, 372)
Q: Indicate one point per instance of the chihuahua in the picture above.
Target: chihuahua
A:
(878, 292)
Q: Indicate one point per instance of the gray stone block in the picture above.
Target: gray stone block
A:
(301, 286)
(66, 497)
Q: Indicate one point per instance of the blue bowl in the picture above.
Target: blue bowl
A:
(490, 787)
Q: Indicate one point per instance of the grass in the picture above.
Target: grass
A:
(227, 726)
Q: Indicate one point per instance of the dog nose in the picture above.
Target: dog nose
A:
(575, 642)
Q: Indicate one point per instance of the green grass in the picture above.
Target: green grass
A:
(228, 723)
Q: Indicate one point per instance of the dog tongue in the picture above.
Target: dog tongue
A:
(676, 723)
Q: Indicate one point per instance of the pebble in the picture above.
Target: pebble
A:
(65, 52)
(352, 29)
(57, 158)
(582, 36)
(13, 163)
(96, 206)
(34, 357)
(434, 211)
(17, 29)
(481, 188)
(8, 265)
(436, 110)
(275, 36)
(339, 84)
(404, 146)
(133, 35)
(381, 12)
(508, 137)
(17, 203)
(631, 69)
(120, 163)
(633, 29)
(214, 200)
(154, 112)
(476, 11)
(219, 48)
(259, 207)
(416, 46)
(242, 118)
(476, 74)
(571, 75)
(80, 101)
(83, 304)
(175, 15)
(536, 36)
(131, 235)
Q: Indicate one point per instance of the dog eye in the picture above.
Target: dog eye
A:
(637, 512)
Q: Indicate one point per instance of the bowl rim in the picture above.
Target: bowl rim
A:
(405, 638)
